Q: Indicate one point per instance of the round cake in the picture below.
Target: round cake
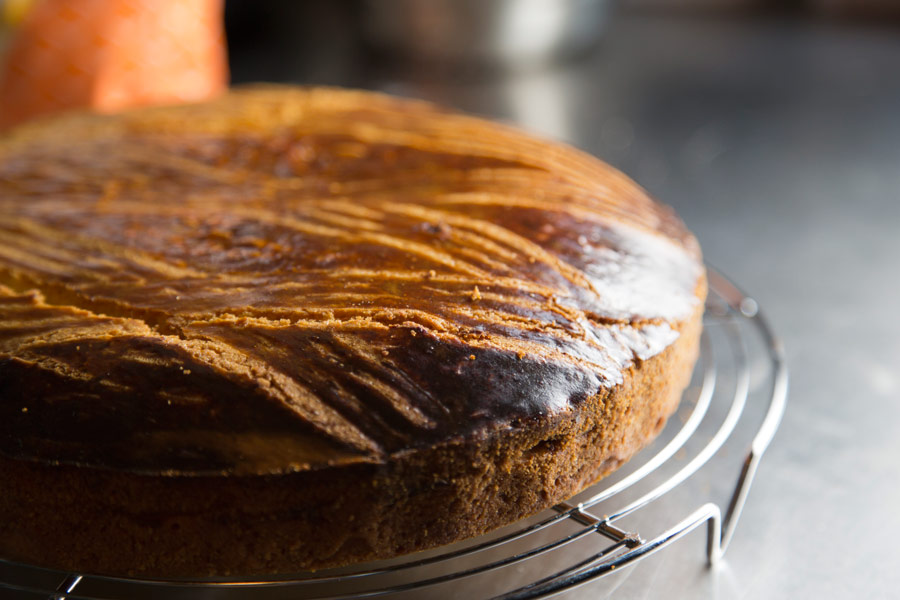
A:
(300, 328)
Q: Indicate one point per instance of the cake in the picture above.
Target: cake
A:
(293, 329)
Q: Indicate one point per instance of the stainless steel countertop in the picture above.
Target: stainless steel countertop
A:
(779, 144)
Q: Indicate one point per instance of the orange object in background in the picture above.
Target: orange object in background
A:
(112, 54)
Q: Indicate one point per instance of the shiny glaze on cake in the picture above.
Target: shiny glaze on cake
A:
(284, 280)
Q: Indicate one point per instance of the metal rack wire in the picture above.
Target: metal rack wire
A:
(740, 379)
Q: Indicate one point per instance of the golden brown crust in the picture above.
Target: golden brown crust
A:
(101, 521)
(206, 309)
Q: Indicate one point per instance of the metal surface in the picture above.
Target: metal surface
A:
(737, 346)
(506, 32)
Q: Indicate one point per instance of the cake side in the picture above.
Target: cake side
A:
(189, 526)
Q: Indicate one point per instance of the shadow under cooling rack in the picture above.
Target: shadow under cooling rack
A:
(735, 401)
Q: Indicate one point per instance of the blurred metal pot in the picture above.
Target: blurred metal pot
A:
(513, 33)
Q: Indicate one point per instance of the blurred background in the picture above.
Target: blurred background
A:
(773, 128)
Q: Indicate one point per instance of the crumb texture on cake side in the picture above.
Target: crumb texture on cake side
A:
(273, 332)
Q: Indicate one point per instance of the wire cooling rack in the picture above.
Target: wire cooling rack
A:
(738, 390)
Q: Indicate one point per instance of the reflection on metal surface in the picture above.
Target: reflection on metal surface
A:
(541, 101)
(516, 33)
(717, 402)
(67, 586)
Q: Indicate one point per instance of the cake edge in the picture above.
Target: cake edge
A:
(97, 521)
